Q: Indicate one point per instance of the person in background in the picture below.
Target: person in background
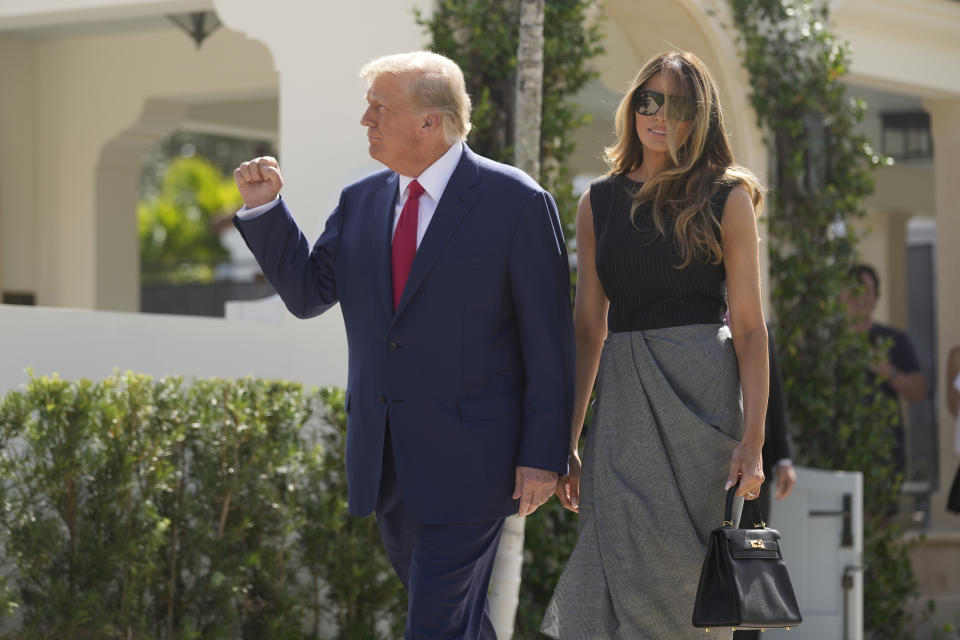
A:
(898, 374)
(777, 445)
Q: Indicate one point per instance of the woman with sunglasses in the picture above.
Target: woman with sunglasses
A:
(665, 242)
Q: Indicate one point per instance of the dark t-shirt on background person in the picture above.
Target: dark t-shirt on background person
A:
(903, 357)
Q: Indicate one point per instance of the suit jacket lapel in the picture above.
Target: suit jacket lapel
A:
(457, 199)
(383, 205)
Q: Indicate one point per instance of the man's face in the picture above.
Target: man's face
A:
(861, 305)
(393, 123)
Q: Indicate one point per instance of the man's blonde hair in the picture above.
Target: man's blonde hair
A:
(437, 85)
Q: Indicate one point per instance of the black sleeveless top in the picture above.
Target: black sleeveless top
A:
(637, 266)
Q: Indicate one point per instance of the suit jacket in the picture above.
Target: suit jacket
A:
(475, 367)
(777, 443)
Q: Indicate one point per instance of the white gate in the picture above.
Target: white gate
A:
(822, 527)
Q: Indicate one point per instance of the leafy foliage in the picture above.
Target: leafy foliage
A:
(821, 175)
(177, 239)
(224, 152)
(170, 509)
(481, 36)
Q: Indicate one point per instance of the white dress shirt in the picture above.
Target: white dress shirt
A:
(434, 181)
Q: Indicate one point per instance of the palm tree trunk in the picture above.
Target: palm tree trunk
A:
(529, 95)
(504, 593)
(505, 584)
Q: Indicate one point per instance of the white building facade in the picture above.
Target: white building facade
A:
(87, 85)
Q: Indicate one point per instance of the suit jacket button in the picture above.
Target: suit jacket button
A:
(393, 346)
(383, 400)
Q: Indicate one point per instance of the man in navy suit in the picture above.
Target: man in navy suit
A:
(452, 275)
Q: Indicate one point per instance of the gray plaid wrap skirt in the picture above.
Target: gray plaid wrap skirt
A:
(667, 417)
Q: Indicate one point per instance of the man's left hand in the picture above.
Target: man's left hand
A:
(533, 487)
(786, 478)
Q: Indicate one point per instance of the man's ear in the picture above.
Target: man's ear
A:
(431, 122)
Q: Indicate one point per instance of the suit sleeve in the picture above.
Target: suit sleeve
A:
(305, 279)
(540, 285)
(778, 444)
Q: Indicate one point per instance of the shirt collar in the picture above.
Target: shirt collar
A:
(434, 178)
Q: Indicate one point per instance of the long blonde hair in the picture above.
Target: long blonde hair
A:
(703, 160)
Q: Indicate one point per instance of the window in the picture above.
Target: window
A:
(906, 135)
(19, 297)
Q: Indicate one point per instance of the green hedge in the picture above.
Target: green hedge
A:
(139, 508)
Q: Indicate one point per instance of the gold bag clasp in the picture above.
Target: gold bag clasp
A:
(757, 544)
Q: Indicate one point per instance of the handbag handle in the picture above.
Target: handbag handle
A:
(728, 509)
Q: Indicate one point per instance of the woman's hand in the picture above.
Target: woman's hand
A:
(568, 486)
(746, 464)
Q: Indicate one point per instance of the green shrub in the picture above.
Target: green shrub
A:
(820, 175)
(174, 509)
(177, 240)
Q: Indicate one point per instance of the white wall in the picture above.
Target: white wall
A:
(318, 48)
(81, 112)
(92, 344)
(93, 96)
(902, 46)
(20, 14)
(91, 91)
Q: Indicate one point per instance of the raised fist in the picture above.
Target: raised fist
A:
(259, 181)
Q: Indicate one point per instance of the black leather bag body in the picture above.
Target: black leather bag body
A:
(744, 581)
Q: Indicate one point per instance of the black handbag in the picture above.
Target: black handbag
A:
(744, 582)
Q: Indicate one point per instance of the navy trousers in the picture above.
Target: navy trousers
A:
(445, 568)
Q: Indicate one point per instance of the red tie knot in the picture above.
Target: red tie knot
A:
(415, 190)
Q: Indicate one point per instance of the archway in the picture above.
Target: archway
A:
(118, 170)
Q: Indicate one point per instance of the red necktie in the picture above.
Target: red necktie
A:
(404, 246)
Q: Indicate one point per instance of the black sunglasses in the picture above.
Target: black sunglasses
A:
(648, 103)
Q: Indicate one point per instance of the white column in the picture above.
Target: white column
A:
(894, 289)
(116, 193)
(18, 230)
(945, 128)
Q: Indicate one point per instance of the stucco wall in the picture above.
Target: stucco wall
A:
(93, 344)
(91, 90)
